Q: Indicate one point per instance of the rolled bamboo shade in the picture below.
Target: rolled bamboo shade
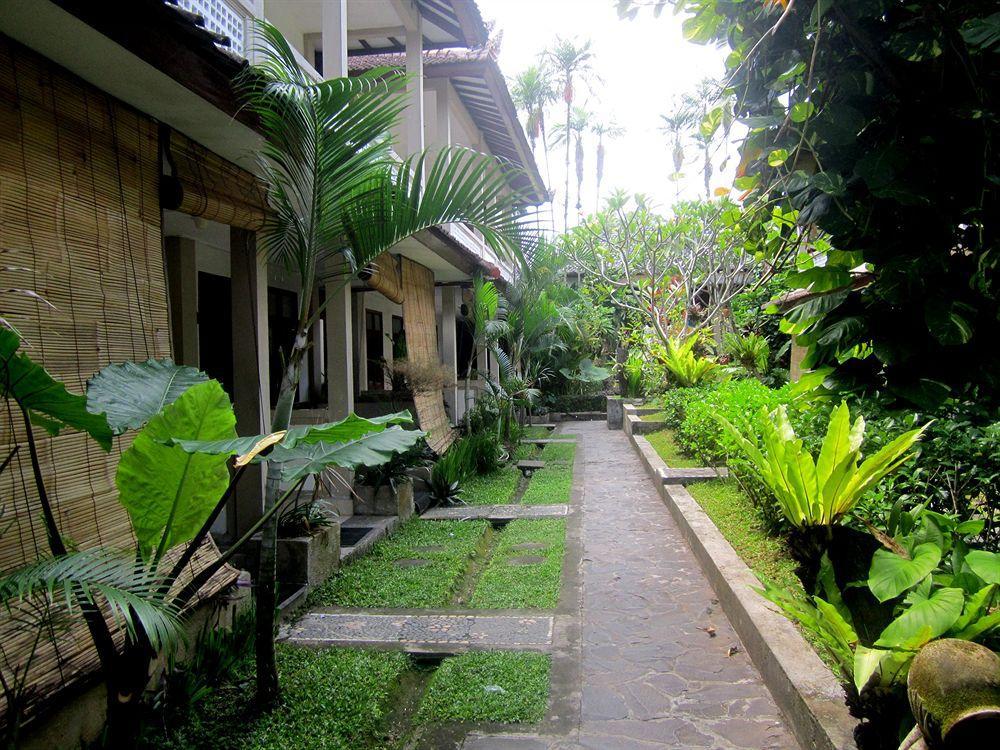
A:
(422, 351)
(204, 184)
(382, 275)
(79, 208)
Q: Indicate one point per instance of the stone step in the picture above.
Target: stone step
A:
(438, 633)
(546, 425)
(495, 512)
(545, 441)
(696, 474)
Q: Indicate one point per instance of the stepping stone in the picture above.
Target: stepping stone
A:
(696, 474)
(528, 468)
(529, 546)
(495, 512)
(525, 560)
(435, 633)
(410, 562)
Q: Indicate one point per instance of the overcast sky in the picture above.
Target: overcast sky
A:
(644, 65)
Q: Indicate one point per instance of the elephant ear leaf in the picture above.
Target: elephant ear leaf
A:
(892, 574)
(132, 393)
(370, 449)
(167, 491)
(47, 402)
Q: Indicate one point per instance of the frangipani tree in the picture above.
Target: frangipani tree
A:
(335, 187)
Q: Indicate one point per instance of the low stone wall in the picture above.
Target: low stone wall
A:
(806, 691)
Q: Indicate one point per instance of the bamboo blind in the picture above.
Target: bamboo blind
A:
(79, 209)
(214, 188)
(422, 350)
(383, 276)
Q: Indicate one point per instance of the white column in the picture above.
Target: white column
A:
(334, 39)
(451, 299)
(494, 367)
(415, 86)
(442, 112)
(339, 350)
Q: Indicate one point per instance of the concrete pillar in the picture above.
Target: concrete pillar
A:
(339, 350)
(441, 118)
(251, 380)
(451, 300)
(316, 353)
(414, 112)
(797, 354)
(334, 39)
(494, 366)
(182, 287)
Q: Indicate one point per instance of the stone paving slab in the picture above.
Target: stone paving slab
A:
(495, 512)
(545, 441)
(437, 632)
(693, 474)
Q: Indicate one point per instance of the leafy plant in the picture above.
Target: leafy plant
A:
(586, 372)
(687, 368)
(819, 492)
(634, 369)
(396, 469)
(303, 519)
(750, 351)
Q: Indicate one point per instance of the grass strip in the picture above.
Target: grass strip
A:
(655, 417)
(534, 433)
(496, 488)
(666, 447)
(559, 454)
(378, 580)
(503, 585)
(334, 699)
(499, 686)
(549, 486)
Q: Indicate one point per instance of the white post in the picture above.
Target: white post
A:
(494, 367)
(339, 351)
(450, 302)
(334, 39)
(415, 86)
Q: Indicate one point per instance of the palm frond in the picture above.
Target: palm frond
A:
(97, 577)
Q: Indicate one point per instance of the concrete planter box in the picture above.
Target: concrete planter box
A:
(309, 560)
(807, 692)
(384, 501)
(633, 422)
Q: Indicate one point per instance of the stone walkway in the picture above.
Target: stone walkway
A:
(658, 663)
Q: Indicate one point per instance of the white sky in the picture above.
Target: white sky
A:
(644, 65)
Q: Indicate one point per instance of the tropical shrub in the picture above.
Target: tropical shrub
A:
(634, 374)
(675, 401)
(686, 368)
(817, 492)
(751, 352)
(487, 453)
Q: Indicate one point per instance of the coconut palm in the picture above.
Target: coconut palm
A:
(571, 63)
(603, 130)
(532, 91)
(707, 97)
(676, 125)
(335, 187)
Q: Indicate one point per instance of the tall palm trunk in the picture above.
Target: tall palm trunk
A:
(600, 172)
(568, 96)
(579, 173)
(545, 146)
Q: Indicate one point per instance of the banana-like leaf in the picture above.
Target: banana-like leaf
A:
(923, 621)
(984, 564)
(131, 393)
(975, 607)
(167, 491)
(46, 400)
(371, 449)
(346, 430)
(891, 574)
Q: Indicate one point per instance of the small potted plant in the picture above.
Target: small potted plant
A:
(387, 489)
(308, 544)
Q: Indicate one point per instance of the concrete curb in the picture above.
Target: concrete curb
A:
(807, 692)
(633, 421)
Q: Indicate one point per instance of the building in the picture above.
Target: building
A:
(127, 187)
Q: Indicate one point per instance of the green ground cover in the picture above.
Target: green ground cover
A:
(549, 486)
(533, 586)
(534, 433)
(665, 445)
(334, 699)
(559, 453)
(496, 488)
(376, 580)
(655, 417)
(500, 686)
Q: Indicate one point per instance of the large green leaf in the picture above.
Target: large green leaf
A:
(167, 491)
(892, 574)
(371, 449)
(132, 393)
(923, 621)
(984, 564)
(346, 430)
(46, 400)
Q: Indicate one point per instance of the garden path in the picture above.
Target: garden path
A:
(657, 662)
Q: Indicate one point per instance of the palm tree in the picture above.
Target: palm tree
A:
(532, 91)
(579, 123)
(676, 125)
(569, 61)
(601, 130)
(335, 187)
(706, 97)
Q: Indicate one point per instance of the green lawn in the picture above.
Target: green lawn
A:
(334, 699)
(655, 417)
(492, 489)
(376, 580)
(549, 486)
(560, 454)
(535, 433)
(533, 586)
(665, 445)
(500, 686)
